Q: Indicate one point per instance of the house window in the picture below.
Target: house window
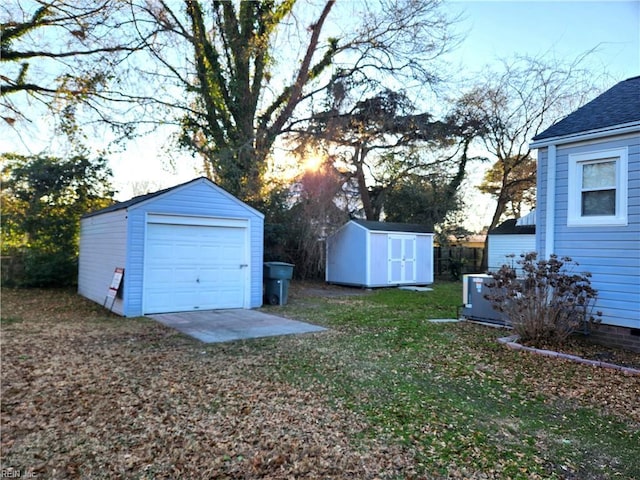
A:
(598, 188)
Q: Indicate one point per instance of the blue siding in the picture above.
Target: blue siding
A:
(346, 262)
(424, 250)
(610, 253)
(102, 249)
(541, 200)
(360, 257)
(379, 261)
(199, 198)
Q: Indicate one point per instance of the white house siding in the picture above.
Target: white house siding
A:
(501, 246)
(346, 256)
(102, 249)
(193, 199)
(610, 253)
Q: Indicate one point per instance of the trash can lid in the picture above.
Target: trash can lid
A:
(275, 264)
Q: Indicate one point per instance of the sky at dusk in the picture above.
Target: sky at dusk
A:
(561, 30)
(501, 29)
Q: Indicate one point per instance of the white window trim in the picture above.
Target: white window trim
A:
(574, 204)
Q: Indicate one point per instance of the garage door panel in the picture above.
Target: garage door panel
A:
(173, 275)
(231, 254)
(190, 267)
(179, 300)
(160, 250)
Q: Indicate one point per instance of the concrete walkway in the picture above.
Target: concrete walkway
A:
(214, 326)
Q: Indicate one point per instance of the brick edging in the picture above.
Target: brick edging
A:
(511, 342)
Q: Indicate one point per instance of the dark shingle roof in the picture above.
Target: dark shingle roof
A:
(509, 227)
(617, 106)
(393, 227)
(138, 199)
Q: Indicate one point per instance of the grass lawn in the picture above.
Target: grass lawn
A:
(383, 394)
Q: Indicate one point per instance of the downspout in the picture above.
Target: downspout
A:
(549, 239)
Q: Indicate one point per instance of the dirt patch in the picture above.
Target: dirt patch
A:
(300, 289)
(580, 346)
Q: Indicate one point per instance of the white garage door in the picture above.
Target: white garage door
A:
(194, 267)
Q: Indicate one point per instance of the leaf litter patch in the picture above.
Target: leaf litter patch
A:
(94, 397)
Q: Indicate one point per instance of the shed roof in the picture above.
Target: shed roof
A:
(393, 226)
(510, 227)
(148, 196)
(620, 105)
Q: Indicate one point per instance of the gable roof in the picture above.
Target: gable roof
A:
(511, 227)
(392, 226)
(618, 106)
(148, 196)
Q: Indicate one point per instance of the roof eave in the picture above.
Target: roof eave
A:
(144, 199)
(621, 129)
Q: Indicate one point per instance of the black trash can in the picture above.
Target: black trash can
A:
(277, 276)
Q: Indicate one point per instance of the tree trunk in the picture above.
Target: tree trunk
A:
(363, 191)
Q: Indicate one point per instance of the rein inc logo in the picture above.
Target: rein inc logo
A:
(17, 473)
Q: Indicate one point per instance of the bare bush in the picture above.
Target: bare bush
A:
(548, 302)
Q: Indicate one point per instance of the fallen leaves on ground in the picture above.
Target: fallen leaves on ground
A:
(84, 397)
(91, 395)
(612, 391)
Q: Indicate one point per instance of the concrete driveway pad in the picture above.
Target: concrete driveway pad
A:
(214, 326)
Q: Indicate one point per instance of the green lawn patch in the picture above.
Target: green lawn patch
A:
(457, 397)
(384, 393)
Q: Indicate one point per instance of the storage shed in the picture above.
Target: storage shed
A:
(380, 254)
(512, 237)
(190, 247)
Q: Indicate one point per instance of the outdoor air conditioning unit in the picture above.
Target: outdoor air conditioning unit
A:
(475, 305)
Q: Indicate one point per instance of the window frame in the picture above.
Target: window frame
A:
(575, 190)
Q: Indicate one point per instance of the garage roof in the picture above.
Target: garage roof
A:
(148, 196)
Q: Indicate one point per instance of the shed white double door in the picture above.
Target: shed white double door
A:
(402, 258)
(194, 267)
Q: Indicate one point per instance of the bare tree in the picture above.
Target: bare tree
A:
(231, 76)
(315, 215)
(238, 93)
(514, 105)
(57, 53)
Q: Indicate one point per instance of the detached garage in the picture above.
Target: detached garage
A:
(190, 247)
(380, 254)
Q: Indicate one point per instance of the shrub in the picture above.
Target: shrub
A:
(42, 199)
(38, 268)
(49, 269)
(548, 302)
